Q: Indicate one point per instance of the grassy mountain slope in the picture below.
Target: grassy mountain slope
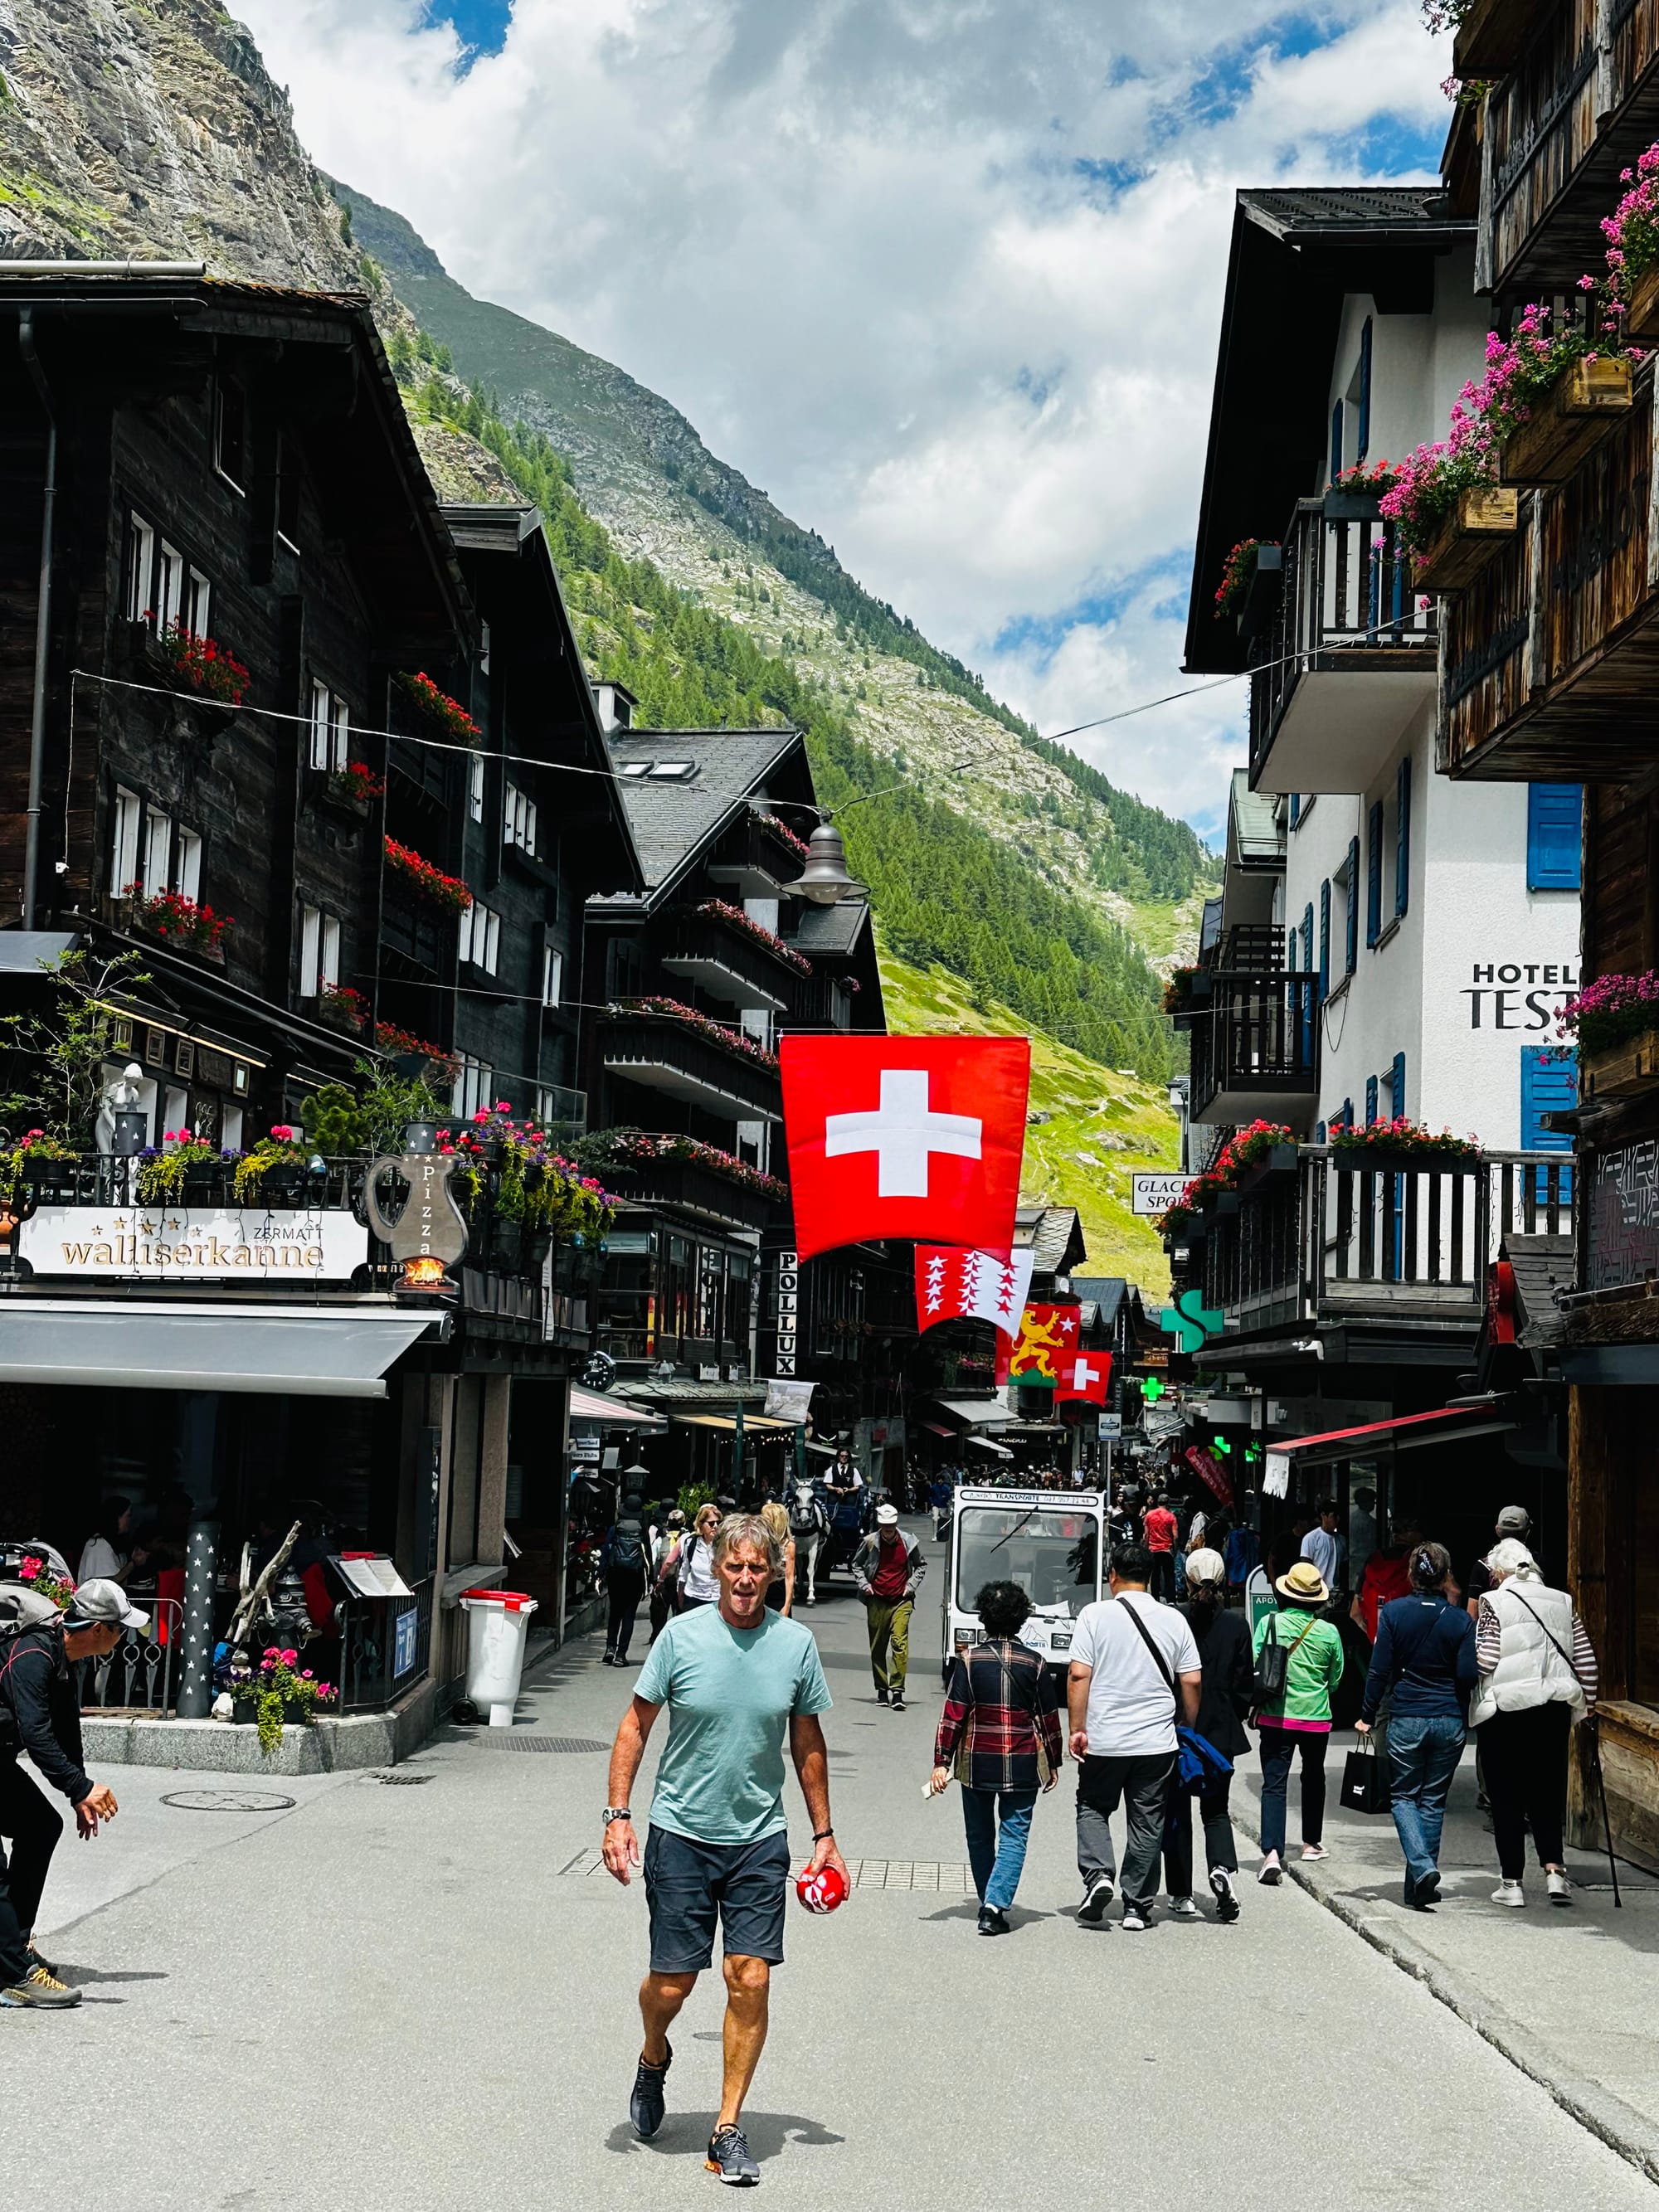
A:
(1099, 1127)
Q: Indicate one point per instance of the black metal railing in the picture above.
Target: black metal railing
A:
(385, 1647)
(665, 1052)
(730, 963)
(1347, 594)
(1260, 1036)
(700, 1190)
(140, 1675)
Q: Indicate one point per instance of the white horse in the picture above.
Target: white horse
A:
(809, 1524)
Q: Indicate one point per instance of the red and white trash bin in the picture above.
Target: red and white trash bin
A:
(497, 1629)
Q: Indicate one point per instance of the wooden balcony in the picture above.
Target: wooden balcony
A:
(663, 1053)
(1572, 110)
(731, 963)
(1348, 662)
(1550, 660)
(689, 1186)
(1255, 1048)
(757, 858)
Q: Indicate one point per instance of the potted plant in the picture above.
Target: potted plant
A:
(200, 665)
(41, 1163)
(1354, 496)
(1615, 1022)
(1632, 234)
(448, 713)
(188, 923)
(1402, 1146)
(354, 787)
(1185, 990)
(444, 890)
(274, 1172)
(1442, 505)
(277, 1693)
(340, 1007)
(1250, 580)
(183, 1164)
(1551, 393)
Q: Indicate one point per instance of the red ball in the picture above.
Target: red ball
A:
(823, 1891)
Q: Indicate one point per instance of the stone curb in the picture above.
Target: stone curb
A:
(1617, 2124)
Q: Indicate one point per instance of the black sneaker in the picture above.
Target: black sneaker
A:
(729, 2156)
(609, 1660)
(881, 1696)
(897, 1701)
(1423, 1896)
(646, 2105)
(1221, 1888)
(41, 1988)
(991, 1921)
(1095, 1899)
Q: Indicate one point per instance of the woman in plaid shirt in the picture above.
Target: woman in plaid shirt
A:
(1000, 1732)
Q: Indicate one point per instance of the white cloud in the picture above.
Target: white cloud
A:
(944, 276)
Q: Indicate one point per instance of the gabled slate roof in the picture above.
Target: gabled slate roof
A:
(830, 931)
(672, 823)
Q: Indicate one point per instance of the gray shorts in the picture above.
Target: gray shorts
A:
(687, 1883)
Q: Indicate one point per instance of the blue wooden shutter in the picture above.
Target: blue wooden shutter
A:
(1549, 1085)
(1351, 949)
(1296, 808)
(1371, 1101)
(1554, 837)
(1325, 939)
(1374, 874)
(1336, 441)
(1397, 1086)
(1363, 444)
(1306, 992)
(1402, 837)
(1347, 1113)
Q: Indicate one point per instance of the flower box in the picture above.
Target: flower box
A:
(1480, 525)
(1353, 507)
(1643, 320)
(1571, 419)
(1282, 1160)
(1401, 1159)
(1620, 1071)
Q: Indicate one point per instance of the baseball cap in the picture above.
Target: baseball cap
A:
(98, 1604)
(1515, 1520)
(887, 1515)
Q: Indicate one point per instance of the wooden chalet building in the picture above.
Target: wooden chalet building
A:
(1547, 673)
(286, 847)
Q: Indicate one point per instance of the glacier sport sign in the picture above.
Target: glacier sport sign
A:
(167, 1244)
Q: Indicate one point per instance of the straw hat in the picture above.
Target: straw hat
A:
(1304, 1585)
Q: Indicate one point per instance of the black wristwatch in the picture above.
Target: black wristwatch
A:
(616, 1812)
(822, 1835)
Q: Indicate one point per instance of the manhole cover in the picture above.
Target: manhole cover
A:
(229, 1801)
(399, 1778)
(510, 1739)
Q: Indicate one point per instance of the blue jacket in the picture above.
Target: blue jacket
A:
(1424, 1653)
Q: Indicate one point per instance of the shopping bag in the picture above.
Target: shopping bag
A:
(1365, 1780)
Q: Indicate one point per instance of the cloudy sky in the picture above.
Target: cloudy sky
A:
(943, 275)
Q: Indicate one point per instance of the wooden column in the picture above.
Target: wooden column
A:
(492, 1470)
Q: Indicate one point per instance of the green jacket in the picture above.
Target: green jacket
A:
(1315, 1668)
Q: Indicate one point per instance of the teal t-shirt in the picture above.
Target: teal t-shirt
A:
(731, 1693)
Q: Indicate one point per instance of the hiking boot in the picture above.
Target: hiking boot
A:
(646, 2105)
(1182, 1908)
(1509, 1892)
(993, 1921)
(1095, 1899)
(1560, 1888)
(729, 2156)
(41, 1987)
(1221, 1888)
(35, 1959)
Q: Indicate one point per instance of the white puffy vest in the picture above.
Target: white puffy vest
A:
(1530, 1671)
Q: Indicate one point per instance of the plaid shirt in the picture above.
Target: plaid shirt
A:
(998, 1741)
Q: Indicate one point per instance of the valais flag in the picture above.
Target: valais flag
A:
(915, 1137)
(954, 1286)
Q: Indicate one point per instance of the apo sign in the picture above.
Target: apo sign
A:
(159, 1243)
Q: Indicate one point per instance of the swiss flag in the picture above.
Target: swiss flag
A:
(915, 1137)
(1084, 1375)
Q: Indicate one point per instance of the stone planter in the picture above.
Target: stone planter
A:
(1480, 527)
(1620, 1071)
(1569, 421)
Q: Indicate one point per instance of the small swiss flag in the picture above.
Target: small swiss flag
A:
(1084, 1375)
(915, 1137)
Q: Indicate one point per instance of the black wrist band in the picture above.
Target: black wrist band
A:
(822, 1835)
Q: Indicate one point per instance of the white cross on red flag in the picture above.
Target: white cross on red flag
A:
(1086, 1374)
(914, 1137)
(952, 1284)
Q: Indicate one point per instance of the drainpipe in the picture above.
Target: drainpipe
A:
(42, 625)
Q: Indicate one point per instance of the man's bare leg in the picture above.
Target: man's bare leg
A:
(748, 1983)
(661, 1997)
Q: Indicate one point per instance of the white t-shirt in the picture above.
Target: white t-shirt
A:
(1130, 1714)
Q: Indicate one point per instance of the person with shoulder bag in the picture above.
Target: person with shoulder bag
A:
(1000, 1734)
(1537, 1680)
(1224, 1697)
(1298, 1662)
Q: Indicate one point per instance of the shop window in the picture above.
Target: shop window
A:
(674, 1319)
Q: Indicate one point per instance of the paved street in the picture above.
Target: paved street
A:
(416, 1993)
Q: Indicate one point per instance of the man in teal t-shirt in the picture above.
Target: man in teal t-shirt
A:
(733, 1677)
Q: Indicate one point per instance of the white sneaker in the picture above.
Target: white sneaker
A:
(1272, 1873)
(1093, 1910)
(1182, 1908)
(1509, 1892)
(1314, 1851)
(1560, 1888)
(1135, 1923)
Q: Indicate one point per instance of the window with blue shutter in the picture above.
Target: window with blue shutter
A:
(1325, 940)
(1402, 836)
(1296, 808)
(1397, 1086)
(1374, 874)
(1336, 441)
(1347, 1113)
(1549, 1085)
(1370, 1102)
(1363, 445)
(1555, 836)
(1350, 949)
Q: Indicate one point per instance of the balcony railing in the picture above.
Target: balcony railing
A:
(1255, 1037)
(1347, 1237)
(1350, 659)
(730, 962)
(758, 859)
(1559, 687)
(665, 1052)
(693, 1188)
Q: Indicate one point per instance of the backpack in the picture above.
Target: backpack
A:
(22, 1608)
(628, 1547)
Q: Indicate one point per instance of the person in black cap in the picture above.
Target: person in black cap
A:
(623, 1562)
(38, 1714)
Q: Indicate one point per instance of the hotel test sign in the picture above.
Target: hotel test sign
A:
(168, 1244)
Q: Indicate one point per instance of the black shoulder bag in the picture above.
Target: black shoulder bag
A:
(1273, 1662)
(1198, 1762)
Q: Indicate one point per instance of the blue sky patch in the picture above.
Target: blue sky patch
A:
(1043, 634)
(481, 24)
(1222, 87)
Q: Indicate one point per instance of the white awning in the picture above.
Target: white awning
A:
(306, 1353)
(977, 1412)
(985, 1444)
(611, 1412)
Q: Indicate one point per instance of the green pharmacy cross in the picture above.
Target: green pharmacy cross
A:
(1190, 1322)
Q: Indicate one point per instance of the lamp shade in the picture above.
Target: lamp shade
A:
(824, 880)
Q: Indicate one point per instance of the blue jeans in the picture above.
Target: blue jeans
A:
(998, 1825)
(1424, 1756)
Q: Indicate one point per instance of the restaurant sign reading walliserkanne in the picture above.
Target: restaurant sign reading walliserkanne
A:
(168, 1244)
